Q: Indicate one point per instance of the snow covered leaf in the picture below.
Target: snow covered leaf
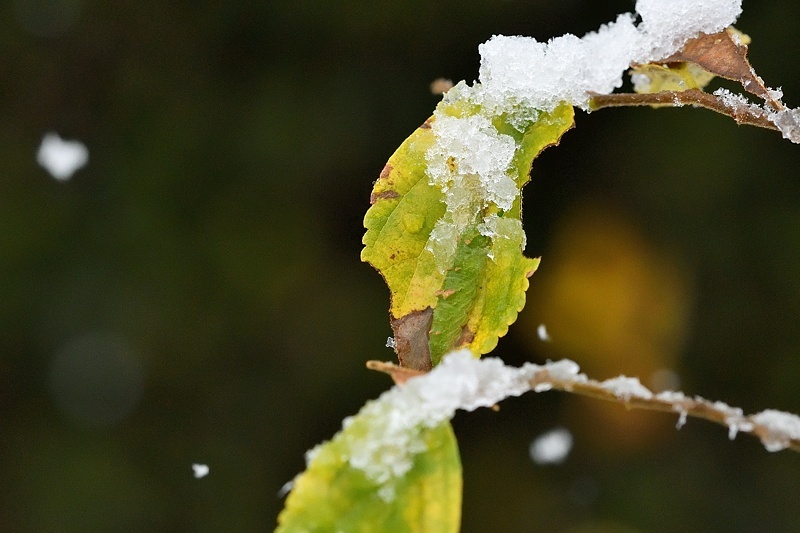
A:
(445, 228)
(653, 78)
(338, 493)
(700, 59)
(697, 63)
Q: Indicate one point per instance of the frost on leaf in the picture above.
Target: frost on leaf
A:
(700, 59)
(445, 226)
(394, 467)
(344, 489)
(625, 388)
(445, 221)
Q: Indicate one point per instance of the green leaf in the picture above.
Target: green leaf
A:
(333, 495)
(654, 78)
(445, 298)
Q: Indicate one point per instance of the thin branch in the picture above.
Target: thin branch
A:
(776, 430)
(765, 425)
(750, 115)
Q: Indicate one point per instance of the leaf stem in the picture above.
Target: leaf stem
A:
(749, 115)
(678, 403)
(776, 430)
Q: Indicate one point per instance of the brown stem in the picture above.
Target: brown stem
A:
(684, 406)
(774, 438)
(742, 114)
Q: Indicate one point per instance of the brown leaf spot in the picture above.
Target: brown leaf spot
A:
(466, 337)
(426, 125)
(385, 172)
(385, 195)
(446, 293)
(411, 337)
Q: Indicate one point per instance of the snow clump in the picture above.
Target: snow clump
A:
(521, 78)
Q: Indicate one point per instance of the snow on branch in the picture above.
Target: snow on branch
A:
(743, 112)
(464, 382)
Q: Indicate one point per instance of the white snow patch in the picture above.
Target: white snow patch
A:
(737, 425)
(730, 412)
(551, 447)
(775, 94)
(782, 428)
(520, 78)
(470, 163)
(393, 424)
(200, 470)
(61, 158)
(670, 23)
(737, 103)
(286, 488)
(682, 414)
(678, 401)
(788, 122)
(471, 160)
(541, 332)
(565, 370)
(626, 388)
(671, 396)
(520, 71)
(395, 419)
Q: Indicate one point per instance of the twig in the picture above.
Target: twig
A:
(749, 115)
(776, 430)
(766, 425)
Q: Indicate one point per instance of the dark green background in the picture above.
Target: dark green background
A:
(215, 237)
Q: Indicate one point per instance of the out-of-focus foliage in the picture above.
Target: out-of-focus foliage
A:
(211, 246)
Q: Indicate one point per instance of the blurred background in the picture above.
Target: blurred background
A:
(194, 294)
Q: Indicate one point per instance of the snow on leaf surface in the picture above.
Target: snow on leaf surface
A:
(445, 225)
(394, 466)
(448, 200)
(339, 492)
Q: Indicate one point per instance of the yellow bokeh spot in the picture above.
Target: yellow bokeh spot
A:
(616, 303)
